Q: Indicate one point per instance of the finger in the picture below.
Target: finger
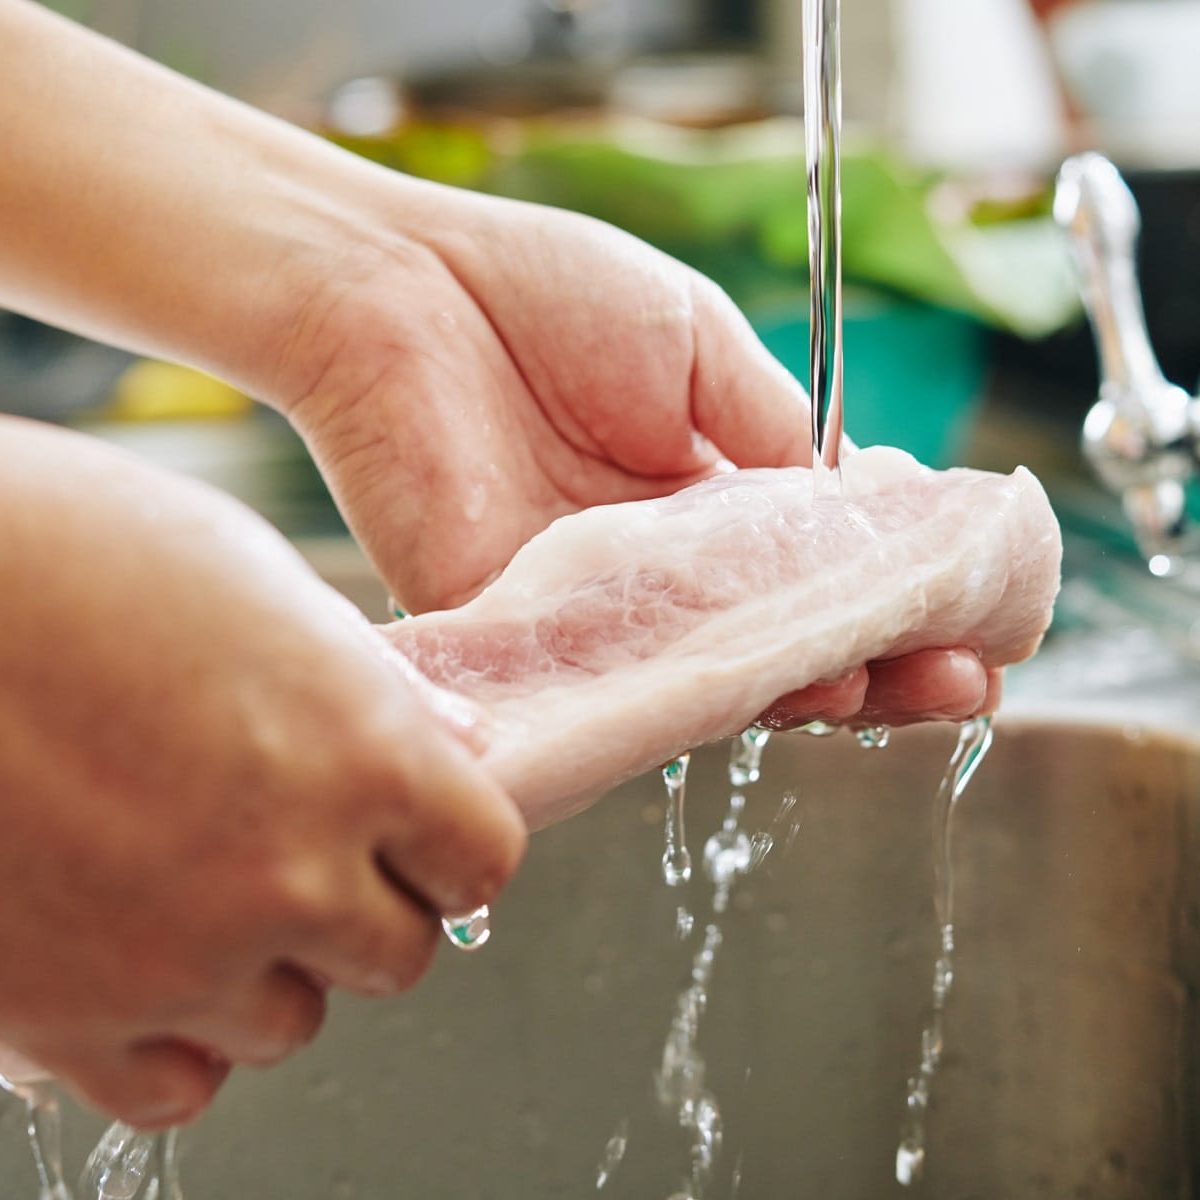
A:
(456, 838)
(151, 1085)
(16, 1068)
(837, 700)
(266, 1021)
(378, 942)
(743, 399)
(930, 685)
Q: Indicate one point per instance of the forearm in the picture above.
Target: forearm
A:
(142, 209)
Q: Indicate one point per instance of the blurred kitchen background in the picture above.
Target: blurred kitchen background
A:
(680, 120)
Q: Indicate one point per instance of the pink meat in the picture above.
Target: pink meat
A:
(624, 635)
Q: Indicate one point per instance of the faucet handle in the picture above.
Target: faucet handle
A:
(1099, 215)
(1141, 435)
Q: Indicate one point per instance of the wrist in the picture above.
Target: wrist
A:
(144, 210)
(360, 263)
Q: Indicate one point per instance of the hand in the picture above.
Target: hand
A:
(218, 794)
(521, 363)
(465, 369)
(930, 685)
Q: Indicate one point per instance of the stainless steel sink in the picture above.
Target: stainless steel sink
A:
(1071, 1061)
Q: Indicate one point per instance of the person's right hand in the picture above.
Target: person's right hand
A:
(218, 794)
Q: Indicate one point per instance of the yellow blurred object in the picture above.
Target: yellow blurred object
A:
(161, 391)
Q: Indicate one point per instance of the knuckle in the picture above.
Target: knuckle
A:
(303, 899)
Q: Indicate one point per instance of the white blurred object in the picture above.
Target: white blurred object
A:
(370, 106)
(1131, 68)
(691, 90)
(975, 86)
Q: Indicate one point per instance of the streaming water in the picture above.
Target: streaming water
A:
(44, 1125)
(729, 851)
(614, 1152)
(822, 138)
(129, 1164)
(729, 854)
(974, 741)
(676, 861)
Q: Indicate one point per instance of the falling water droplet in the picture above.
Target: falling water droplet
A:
(614, 1152)
(761, 844)
(684, 923)
(121, 1167)
(820, 729)
(745, 757)
(910, 1162)
(728, 853)
(676, 861)
(873, 737)
(470, 931)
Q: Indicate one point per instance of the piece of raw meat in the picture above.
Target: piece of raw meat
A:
(624, 635)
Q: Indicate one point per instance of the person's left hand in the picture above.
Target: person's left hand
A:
(517, 363)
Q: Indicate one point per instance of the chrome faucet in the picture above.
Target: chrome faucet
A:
(1142, 436)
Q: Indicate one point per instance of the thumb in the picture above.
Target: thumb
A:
(743, 398)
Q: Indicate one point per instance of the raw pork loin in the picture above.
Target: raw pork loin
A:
(626, 634)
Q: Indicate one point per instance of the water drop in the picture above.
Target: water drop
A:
(873, 737)
(761, 844)
(119, 1166)
(910, 1162)
(932, 1043)
(735, 1182)
(676, 861)
(476, 502)
(727, 854)
(918, 1096)
(471, 931)
(820, 729)
(745, 757)
(943, 981)
(614, 1152)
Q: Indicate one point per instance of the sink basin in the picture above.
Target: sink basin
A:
(1071, 1059)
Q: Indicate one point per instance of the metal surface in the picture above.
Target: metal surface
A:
(1142, 434)
(1071, 1061)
